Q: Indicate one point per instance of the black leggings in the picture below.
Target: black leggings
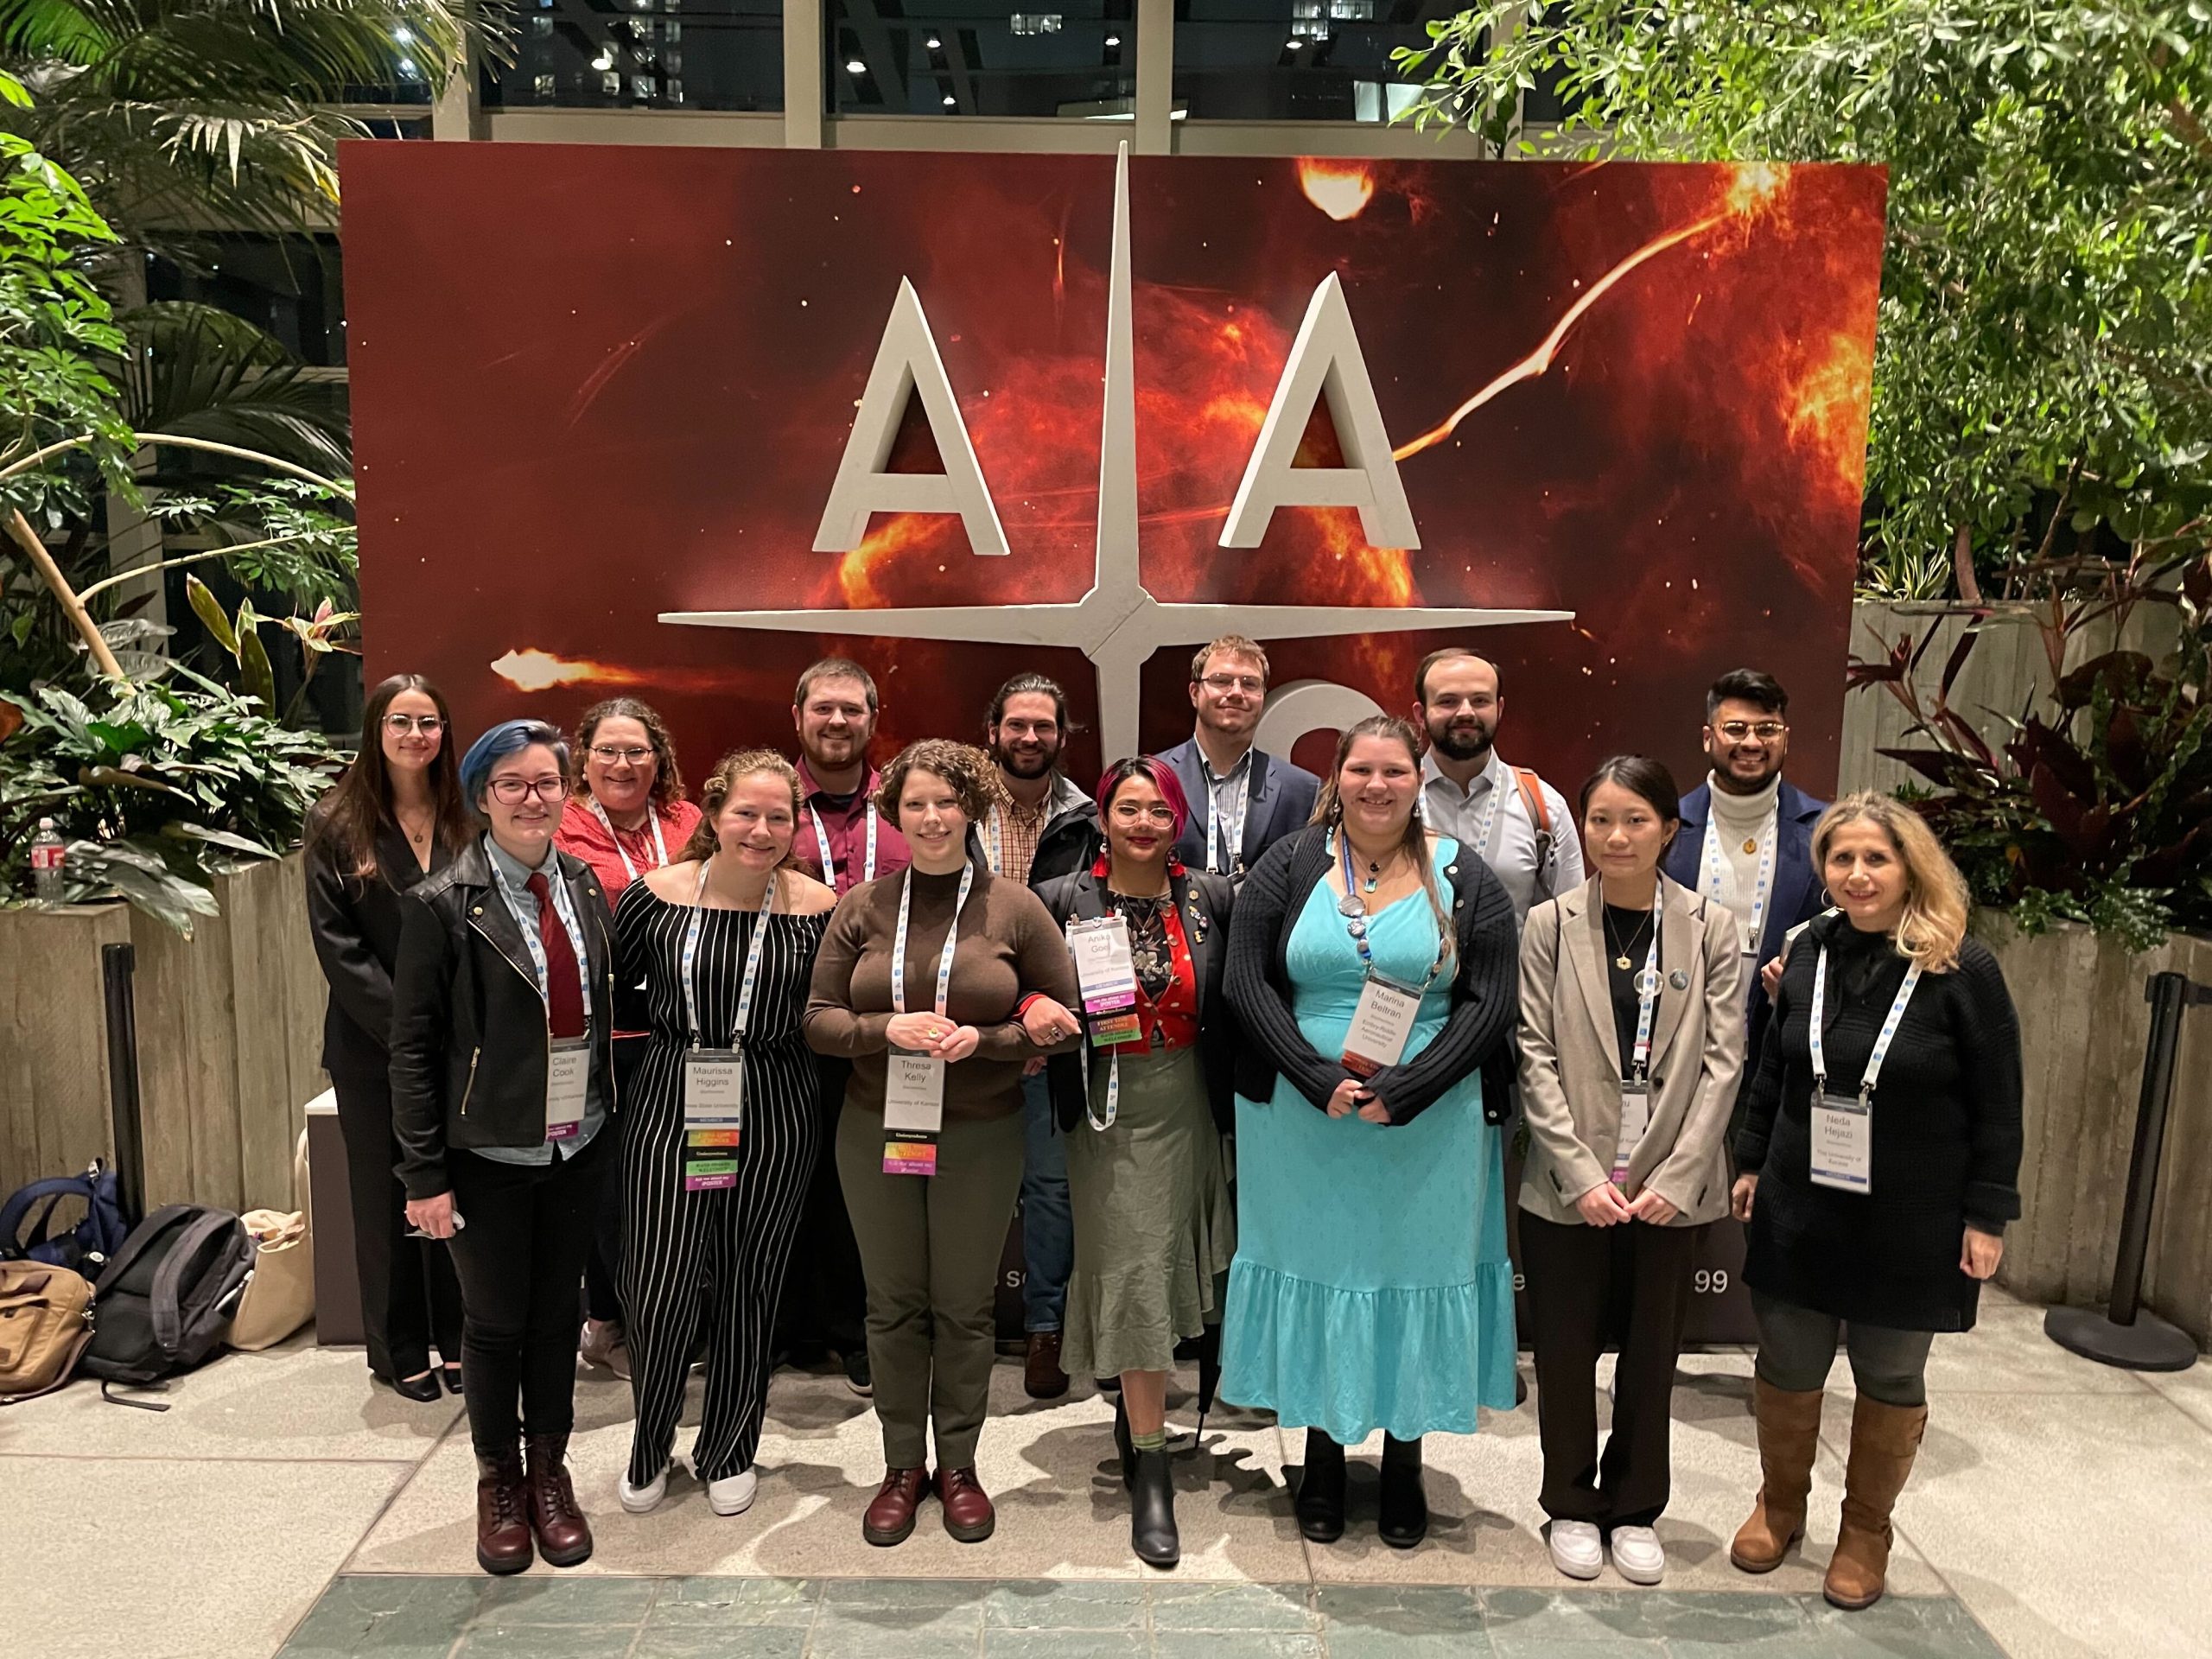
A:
(519, 1257)
(1797, 1346)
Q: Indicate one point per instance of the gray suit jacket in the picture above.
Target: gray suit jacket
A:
(1571, 1059)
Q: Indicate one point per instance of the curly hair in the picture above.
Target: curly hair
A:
(713, 795)
(972, 773)
(668, 781)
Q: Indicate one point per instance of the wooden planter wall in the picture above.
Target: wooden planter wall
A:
(229, 1036)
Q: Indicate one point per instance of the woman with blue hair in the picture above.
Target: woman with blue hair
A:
(503, 1087)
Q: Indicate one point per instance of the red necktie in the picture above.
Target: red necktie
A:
(564, 990)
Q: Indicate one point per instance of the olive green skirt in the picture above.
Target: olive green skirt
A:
(1155, 1227)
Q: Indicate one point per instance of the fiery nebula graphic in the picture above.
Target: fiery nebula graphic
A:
(1637, 392)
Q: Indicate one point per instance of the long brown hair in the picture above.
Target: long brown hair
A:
(668, 782)
(713, 795)
(1329, 809)
(347, 817)
(1936, 900)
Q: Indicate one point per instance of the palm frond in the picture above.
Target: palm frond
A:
(202, 373)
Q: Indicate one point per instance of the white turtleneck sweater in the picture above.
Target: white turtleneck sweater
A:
(1740, 823)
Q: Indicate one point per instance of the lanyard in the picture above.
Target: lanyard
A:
(1716, 877)
(1881, 1044)
(660, 845)
(1355, 914)
(752, 957)
(1223, 855)
(564, 908)
(822, 846)
(994, 840)
(951, 939)
(1647, 995)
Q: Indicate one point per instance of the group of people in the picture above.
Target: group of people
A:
(772, 1072)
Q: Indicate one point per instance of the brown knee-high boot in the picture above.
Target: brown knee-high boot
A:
(1789, 1439)
(1884, 1441)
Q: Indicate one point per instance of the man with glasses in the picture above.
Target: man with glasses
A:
(1047, 827)
(1243, 800)
(1747, 838)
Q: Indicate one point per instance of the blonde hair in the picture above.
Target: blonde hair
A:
(1228, 645)
(1329, 809)
(972, 773)
(1933, 925)
(713, 795)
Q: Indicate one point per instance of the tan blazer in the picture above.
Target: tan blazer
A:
(1571, 1060)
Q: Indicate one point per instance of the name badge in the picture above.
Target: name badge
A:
(1636, 1118)
(913, 1113)
(1106, 971)
(1843, 1143)
(1380, 1026)
(567, 1076)
(714, 1117)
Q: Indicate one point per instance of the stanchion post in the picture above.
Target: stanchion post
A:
(118, 964)
(2125, 1336)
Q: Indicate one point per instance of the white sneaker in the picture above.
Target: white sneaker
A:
(733, 1494)
(1577, 1550)
(1637, 1555)
(642, 1500)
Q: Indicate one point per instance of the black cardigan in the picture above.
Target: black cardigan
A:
(1207, 904)
(1485, 986)
(1947, 1135)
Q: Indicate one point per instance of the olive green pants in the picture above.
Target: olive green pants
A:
(930, 1249)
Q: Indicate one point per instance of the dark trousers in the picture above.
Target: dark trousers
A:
(410, 1298)
(824, 1301)
(1797, 1345)
(603, 1266)
(1629, 1284)
(519, 1257)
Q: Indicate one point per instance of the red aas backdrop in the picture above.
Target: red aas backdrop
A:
(593, 385)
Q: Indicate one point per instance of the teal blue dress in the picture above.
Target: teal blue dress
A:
(1371, 1287)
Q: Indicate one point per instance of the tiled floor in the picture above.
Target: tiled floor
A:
(2059, 1509)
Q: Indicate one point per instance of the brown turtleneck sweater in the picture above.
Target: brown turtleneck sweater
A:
(1008, 950)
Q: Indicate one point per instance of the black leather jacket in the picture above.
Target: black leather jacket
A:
(1207, 903)
(470, 1043)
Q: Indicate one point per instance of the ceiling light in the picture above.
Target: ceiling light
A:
(604, 61)
(948, 100)
(854, 66)
(936, 45)
(1292, 46)
(1113, 39)
(403, 35)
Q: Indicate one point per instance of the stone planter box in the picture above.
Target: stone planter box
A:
(229, 1036)
(2084, 1025)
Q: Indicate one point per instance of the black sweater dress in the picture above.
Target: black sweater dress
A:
(1945, 1135)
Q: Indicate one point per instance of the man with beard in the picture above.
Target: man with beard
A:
(1047, 827)
(1747, 836)
(1517, 823)
(1243, 800)
(841, 839)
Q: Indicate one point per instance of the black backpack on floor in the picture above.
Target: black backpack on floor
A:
(165, 1302)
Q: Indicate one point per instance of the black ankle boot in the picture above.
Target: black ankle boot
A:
(1151, 1511)
(1405, 1510)
(1320, 1501)
(1121, 1443)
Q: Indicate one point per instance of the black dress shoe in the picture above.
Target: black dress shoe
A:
(1405, 1509)
(1320, 1501)
(453, 1378)
(422, 1389)
(1151, 1511)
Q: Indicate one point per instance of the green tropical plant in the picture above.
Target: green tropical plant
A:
(2099, 806)
(184, 115)
(155, 789)
(2043, 380)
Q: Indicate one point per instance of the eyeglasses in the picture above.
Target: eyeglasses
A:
(1129, 813)
(400, 725)
(1252, 684)
(608, 754)
(1737, 730)
(513, 791)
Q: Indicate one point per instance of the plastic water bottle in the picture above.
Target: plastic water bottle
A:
(47, 857)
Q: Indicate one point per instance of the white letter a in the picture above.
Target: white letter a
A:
(906, 363)
(1325, 362)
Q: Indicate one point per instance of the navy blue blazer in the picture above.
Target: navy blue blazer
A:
(1796, 896)
(1281, 802)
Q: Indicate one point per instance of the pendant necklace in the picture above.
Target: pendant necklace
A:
(1374, 877)
(1622, 961)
